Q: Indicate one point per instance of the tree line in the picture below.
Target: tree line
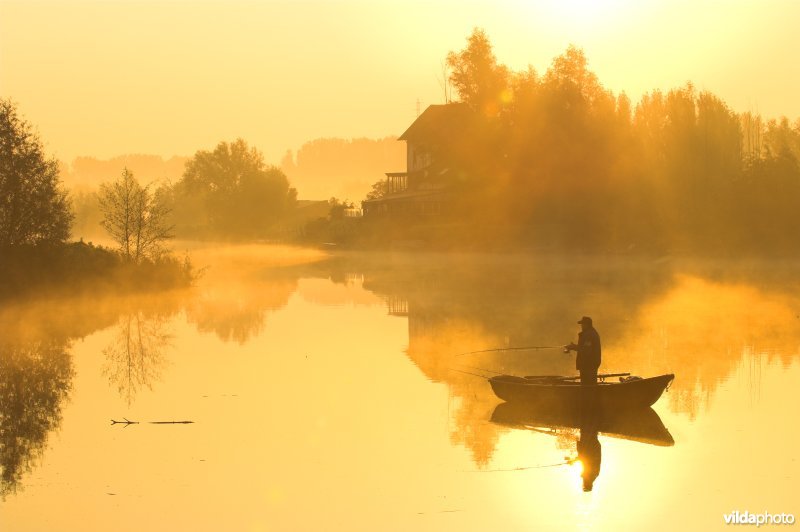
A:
(225, 193)
(559, 160)
(552, 159)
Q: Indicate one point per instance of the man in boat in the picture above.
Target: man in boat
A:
(587, 361)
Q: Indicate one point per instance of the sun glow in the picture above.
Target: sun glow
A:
(584, 15)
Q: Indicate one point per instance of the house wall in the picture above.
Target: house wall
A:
(418, 157)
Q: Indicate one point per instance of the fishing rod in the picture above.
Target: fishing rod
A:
(526, 348)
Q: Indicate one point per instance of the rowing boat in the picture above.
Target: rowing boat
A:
(549, 390)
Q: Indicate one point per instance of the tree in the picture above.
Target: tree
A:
(379, 189)
(560, 130)
(135, 217)
(338, 208)
(234, 191)
(480, 81)
(33, 207)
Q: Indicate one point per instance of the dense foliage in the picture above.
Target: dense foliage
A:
(566, 163)
(33, 207)
(230, 192)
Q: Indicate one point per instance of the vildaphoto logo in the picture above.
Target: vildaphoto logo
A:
(764, 518)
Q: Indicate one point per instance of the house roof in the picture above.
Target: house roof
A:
(438, 123)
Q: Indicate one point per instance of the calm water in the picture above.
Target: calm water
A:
(325, 395)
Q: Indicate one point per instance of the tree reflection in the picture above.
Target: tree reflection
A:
(238, 312)
(232, 320)
(36, 366)
(456, 306)
(136, 356)
(703, 328)
(35, 379)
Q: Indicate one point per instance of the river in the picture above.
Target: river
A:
(329, 392)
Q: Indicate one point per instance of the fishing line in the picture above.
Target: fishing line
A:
(468, 373)
(531, 348)
(568, 462)
(486, 370)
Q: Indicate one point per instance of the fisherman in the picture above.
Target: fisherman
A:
(588, 348)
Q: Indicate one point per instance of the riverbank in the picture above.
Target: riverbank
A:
(79, 267)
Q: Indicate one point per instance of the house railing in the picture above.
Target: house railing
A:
(398, 182)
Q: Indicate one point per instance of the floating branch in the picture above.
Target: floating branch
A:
(126, 422)
(129, 422)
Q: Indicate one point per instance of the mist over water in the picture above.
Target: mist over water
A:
(335, 382)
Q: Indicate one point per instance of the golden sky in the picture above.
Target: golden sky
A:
(171, 77)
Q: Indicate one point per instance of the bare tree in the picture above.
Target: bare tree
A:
(135, 217)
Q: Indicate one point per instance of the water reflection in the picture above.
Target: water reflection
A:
(35, 379)
(235, 307)
(578, 427)
(697, 320)
(334, 334)
(703, 327)
(589, 452)
(459, 304)
(36, 365)
(242, 284)
(137, 354)
(641, 425)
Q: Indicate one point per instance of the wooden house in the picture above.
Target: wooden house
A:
(438, 144)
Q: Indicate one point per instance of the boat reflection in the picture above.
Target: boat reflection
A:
(641, 425)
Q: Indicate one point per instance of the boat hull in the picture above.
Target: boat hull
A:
(612, 395)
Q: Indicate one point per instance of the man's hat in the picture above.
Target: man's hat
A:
(585, 319)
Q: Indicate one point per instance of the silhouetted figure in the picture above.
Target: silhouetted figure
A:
(589, 452)
(588, 348)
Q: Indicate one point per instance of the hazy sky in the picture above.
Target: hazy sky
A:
(171, 77)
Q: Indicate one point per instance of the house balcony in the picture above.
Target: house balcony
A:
(398, 182)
